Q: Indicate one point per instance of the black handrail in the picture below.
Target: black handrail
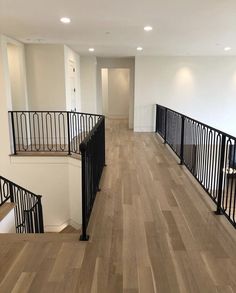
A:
(28, 207)
(93, 161)
(208, 153)
(69, 133)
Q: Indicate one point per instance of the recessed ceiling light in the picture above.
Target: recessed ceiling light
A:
(139, 49)
(91, 49)
(148, 28)
(227, 48)
(65, 20)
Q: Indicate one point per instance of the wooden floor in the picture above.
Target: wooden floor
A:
(152, 230)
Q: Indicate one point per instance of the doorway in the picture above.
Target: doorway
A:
(116, 92)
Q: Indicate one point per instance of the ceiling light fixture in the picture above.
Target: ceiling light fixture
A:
(91, 49)
(227, 48)
(65, 20)
(139, 49)
(148, 28)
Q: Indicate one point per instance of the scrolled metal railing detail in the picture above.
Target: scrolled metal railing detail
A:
(50, 131)
(208, 153)
(28, 207)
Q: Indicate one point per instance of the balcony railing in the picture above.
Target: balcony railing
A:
(93, 161)
(48, 132)
(209, 154)
(28, 208)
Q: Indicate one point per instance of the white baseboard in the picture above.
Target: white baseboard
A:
(118, 117)
(144, 129)
(59, 228)
(56, 228)
(75, 225)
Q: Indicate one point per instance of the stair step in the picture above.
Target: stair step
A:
(5, 209)
(44, 237)
(69, 229)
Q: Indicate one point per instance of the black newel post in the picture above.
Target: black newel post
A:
(84, 236)
(219, 197)
(40, 211)
(156, 117)
(182, 141)
(11, 189)
(165, 134)
(13, 133)
(68, 132)
(103, 142)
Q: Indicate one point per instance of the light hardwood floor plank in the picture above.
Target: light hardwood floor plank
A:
(152, 230)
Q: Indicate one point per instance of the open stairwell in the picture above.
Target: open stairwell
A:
(7, 219)
(45, 147)
(19, 208)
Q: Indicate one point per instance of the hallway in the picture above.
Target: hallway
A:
(152, 230)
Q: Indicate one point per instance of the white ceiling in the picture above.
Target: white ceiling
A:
(180, 27)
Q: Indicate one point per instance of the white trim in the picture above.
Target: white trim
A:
(59, 228)
(144, 129)
(56, 228)
(75, 225)
(4, 41)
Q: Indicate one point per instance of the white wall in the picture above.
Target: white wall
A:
(57, 179)
(7, 224)
(88, 80)
(104, 78)
(49, 77)
(50, 177)
(16, 65)
(46, 77)
(5, 42)
(72, 56)
(116, 63)
(201, 87)
(75, 192)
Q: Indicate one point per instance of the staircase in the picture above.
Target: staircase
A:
(21, 207)
(7, 220)
(70, 229)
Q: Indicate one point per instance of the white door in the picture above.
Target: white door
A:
(73, 105)
(73, 89)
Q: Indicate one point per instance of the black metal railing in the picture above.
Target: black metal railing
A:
(50, 131)
(69, 133)
(209, 154)
(28, 208)
(93, 161)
